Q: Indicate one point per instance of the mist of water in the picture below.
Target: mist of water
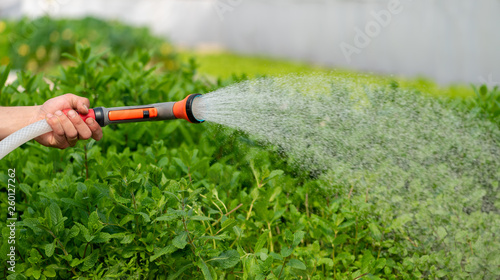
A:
(434, 168)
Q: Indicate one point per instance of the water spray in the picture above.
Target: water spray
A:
(103, 116)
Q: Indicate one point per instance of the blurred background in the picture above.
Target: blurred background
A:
(447, 41)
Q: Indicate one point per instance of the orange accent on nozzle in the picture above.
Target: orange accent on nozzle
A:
(90, 114)
(183, 109)
(180, 109)
(132, 114)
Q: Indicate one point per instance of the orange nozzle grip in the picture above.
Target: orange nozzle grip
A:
(180, 109)
(132, 114)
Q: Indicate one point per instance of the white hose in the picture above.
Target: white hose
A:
(23, 135)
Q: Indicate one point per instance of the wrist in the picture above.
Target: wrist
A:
(36, 114)
(18, 117)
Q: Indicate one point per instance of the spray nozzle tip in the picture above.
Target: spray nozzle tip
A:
(184, 109)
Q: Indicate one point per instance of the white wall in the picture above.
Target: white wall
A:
(447, 40)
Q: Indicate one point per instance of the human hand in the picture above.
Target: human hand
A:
(67, 129)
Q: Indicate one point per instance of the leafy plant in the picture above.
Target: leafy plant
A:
(486, 103)
(133, 206)
(39, 44)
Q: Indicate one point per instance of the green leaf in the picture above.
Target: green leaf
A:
(49, 249)
(441, 231)
(380, 263)
(200, 218)
(181, 164)
(73, 232)
(215, 237)
(93, 222)
(167, 217)
(73, 202)
(37, 272)
(156, 193)
(33, 224)
(340, 239)
(278, 213)
(274, 173)
(85, 232)
(167, 250)
(286, 251)
(227, 223)
(75, 262)
(267, 264)
(180, 240)
(17, 276)
(35, 257)
(441, 273)
(261, 241)
(179, 272)
(296, 264)
(297, 238)
(288, 235)
(117, 197)
(69, 56)
(367, 261)
(238, 231)
(126, 219)
(204, 267)
(375, 231)
(227, 259)
(54, 214)
(144, 216)
(483, 90)
(102, 237)
(325, 261)
(4, 74)
(347, 224)
(124, 171)
(25, 187)
(90, 260)
(127, 239)
(49, 272)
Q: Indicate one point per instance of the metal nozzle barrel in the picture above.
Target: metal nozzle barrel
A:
(154, 112)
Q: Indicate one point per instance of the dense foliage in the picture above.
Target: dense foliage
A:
(486, 103)
(177, 200)
(39, 44)
(165, 199)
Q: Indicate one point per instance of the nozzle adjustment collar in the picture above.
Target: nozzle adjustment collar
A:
(189, 108)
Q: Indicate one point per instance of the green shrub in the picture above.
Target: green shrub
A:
(172, 199)
(39, 44)
(486, 103)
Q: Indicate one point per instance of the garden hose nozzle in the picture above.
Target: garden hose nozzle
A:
(154, 112)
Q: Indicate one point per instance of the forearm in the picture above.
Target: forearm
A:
(15, 118)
